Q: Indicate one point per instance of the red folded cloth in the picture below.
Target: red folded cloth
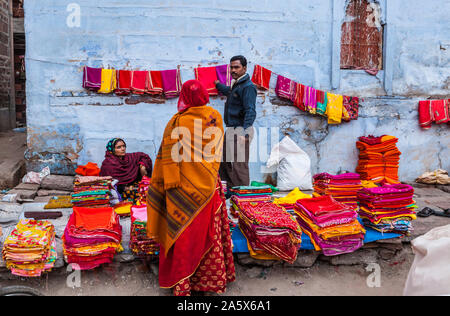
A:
(261, 77)
(139, 81)
(433, 111)
(207, 76)
(123, 82)
(90, 169)
(154, 83)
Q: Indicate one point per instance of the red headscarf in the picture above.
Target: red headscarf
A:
(193, 93)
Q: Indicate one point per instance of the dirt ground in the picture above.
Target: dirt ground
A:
(139, 279)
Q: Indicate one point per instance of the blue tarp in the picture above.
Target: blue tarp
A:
(240, 243)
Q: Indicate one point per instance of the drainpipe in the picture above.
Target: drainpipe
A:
(12, 93)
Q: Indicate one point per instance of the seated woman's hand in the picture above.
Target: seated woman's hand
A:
(143, 170)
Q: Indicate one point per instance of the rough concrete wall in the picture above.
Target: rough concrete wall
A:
(67, 125)
(5, 65)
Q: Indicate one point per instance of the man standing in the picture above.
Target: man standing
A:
(239, 116)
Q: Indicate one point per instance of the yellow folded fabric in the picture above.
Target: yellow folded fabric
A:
(292, 197)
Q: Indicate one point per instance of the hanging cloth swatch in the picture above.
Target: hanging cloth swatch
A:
(154, 83)
(92, 78)
(109, 81)
(433, 111)
(171, 83)
(207, 76)
(139, 81)
(224, 74)
(310, 100)
(334, 108)
(322, 101)
(285, 88)
(123, 82)
(351, 105)
(261, 77)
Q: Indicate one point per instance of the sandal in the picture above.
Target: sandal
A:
(425, 212)
(445, 213)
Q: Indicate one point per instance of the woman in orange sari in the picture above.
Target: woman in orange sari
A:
(186, 207)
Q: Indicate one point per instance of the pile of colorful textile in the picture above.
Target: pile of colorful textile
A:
(142, 190)
(30, 249)
(288, 202)
(332, 226)
(271, 232)
(92, 237)
(125, 82)
(343, 187)
(225, 187)
(255, 194)
(337, 108)
(90, 191)
(378, 159)
(141, 245)
(388, 209)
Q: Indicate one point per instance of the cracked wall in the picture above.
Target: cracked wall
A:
(68, 125)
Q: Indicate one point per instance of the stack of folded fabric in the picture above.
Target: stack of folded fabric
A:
(332, 226)
(30, 249)
(141, 245)
(142, 190)
(388, 209)
(288, 202)
(378, 159)
(343, 187)
(92, 191)
(271, 232)
(91, 237)
(255, 194)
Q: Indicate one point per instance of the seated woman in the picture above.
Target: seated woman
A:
(127, 168)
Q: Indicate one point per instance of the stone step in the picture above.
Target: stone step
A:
(11, 173)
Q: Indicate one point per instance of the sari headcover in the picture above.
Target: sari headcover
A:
(224, 74)
(207, 76)
(92, 78)
(171, 83)
(179, 190)
(261, 77)
(193, 93)
(125, 170)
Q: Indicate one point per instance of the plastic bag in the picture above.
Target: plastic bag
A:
(293, 166)
(430, 274)
(36, 177)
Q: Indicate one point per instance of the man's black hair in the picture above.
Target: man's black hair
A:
(241, 58)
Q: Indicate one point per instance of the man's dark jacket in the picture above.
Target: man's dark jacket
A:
(240, 108)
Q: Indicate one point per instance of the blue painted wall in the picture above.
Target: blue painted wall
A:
(296, 38)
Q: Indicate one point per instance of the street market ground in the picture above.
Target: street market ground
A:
(139, 279)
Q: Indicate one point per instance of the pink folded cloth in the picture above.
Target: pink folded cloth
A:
(171, 83)
(285, 88)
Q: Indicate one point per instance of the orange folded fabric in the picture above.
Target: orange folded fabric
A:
(90, 169)
(207, 76)
(94, 218)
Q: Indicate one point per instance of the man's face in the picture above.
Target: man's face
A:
(237, 70)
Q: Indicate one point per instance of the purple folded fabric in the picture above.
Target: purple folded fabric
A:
(285, 88)
(224, 74)
(171, 83)
(389, 189)
(344, 176)
(92, 78)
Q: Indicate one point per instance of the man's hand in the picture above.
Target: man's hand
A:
(216, 82)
